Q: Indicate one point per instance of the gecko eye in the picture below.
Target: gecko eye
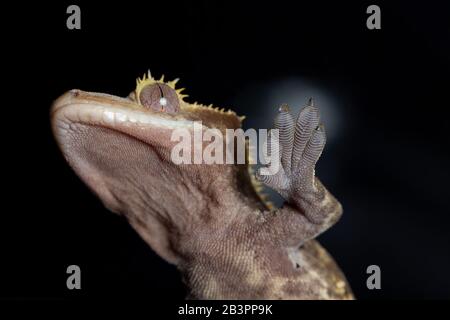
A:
(159, 97)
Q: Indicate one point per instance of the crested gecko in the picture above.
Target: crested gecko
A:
(208, 220)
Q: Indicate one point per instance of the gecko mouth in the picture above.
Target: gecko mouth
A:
(77, 115)
(77, 106)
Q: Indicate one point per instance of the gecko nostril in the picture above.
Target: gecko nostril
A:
(75, 92)
(159, 97)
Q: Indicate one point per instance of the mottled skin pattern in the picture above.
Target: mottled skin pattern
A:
(208, 220)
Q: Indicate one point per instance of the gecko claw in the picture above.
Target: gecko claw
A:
(283, 108)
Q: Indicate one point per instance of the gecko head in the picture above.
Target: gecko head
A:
(121, 148)
(152, 104)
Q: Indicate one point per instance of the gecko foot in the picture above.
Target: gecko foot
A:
(298, 146)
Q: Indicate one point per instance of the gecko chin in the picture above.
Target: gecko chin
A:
(121, 148)
(95, 130)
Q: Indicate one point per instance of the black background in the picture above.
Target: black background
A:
(387, 163)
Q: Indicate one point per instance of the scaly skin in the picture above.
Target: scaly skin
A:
(206, 219)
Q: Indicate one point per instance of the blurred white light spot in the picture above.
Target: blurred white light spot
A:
(163, 101)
